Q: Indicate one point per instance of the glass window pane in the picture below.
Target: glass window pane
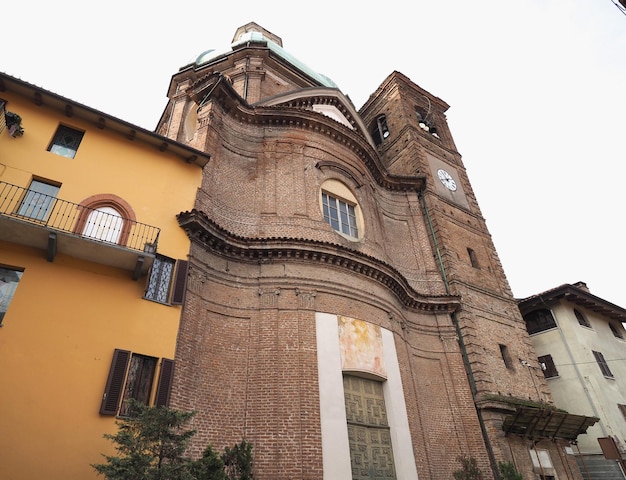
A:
(340, 215)
(38, 200)
(66, 141)
(160, 279)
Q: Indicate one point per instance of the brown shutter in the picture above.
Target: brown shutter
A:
(164, 384)
(180, 283)
(115, 382)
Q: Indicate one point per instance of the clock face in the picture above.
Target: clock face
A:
(446, 179)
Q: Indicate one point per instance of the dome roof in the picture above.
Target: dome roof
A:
(269, 40)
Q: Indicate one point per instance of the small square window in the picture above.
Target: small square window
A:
(66, 141)
(547, 365)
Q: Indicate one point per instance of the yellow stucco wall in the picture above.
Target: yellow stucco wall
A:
(68, 316)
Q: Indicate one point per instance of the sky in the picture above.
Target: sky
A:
(536, 88)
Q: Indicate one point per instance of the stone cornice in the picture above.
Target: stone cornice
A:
(205, 232)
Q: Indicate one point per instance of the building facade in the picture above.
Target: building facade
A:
(580, 342)
(346, 311)
(88, 208)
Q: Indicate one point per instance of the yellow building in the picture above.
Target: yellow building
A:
(92, 270)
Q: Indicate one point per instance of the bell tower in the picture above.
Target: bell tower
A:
(409, 127)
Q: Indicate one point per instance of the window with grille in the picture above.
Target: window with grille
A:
(582, 320)
(132, 376)
(604, 367)
(371, 455)
(547, 365)
(340, 215)
(539, 321)
(167, 281)
(66, 141)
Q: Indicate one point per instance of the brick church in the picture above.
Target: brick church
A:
(346, 311)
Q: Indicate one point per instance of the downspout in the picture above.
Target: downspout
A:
(466, 362)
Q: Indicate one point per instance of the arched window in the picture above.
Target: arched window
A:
(104, 223)
(105, 217)
(380, 130)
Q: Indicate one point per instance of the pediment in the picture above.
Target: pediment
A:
(325, 101)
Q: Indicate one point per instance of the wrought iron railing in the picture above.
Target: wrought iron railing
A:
(100, 224)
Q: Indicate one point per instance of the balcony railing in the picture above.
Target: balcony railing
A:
(101, 225)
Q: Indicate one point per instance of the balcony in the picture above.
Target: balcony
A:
(36, 219)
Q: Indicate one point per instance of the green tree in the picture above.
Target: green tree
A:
(209, 467)
(238, 461)
(469, 469)
(509, 472)
(150, 443)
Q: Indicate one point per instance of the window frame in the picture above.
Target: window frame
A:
(176, 278)
(550, 370)
(542, 319)
(602, 363)
(58, 146)
(616, 331)
(31, 206)
(582, 319)
(346, 215)
(380, 129)
(115, 391)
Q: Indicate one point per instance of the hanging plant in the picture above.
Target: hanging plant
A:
(14, 123)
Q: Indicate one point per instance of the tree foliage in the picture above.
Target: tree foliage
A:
(151, 444)
(509, 472)
(469, 470)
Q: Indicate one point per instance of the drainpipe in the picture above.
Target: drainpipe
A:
(457, 327)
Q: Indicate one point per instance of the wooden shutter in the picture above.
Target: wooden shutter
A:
(164, 385)
(180, 282)
(115, 382)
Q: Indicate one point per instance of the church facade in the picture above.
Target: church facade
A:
(346, 311)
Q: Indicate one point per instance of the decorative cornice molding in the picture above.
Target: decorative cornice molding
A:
(208, 234)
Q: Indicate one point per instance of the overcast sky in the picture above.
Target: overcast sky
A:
(536, 88)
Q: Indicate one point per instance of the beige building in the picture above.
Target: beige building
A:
(581, 347)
